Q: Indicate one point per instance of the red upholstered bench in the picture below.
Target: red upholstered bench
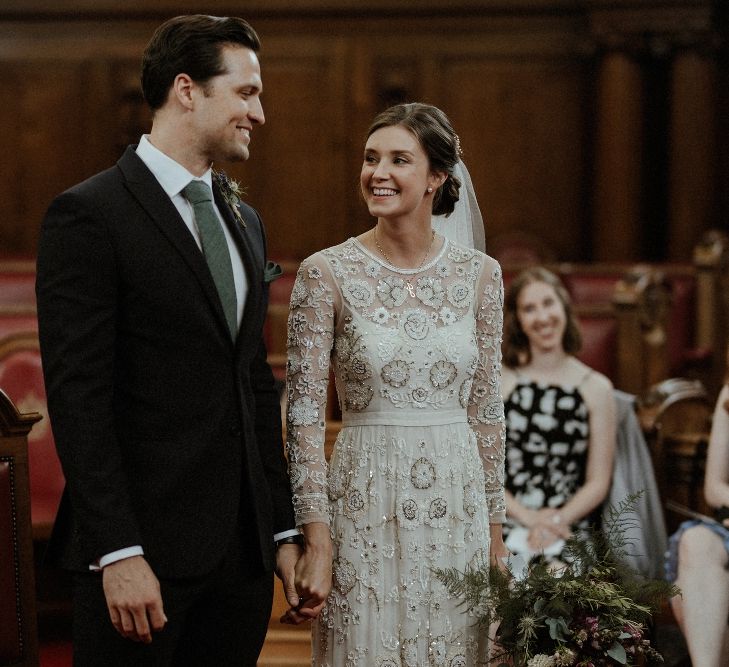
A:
(599, 329)
(17, 285)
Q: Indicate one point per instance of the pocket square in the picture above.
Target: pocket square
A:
(271, 272)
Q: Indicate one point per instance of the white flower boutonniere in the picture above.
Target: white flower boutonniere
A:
(232, 193)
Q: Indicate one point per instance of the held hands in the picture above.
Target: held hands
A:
(546, 526)
(498, 553)
(133, 599)
(312, 575)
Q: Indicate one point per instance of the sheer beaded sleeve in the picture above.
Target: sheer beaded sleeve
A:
(310, 339)
(485, 407)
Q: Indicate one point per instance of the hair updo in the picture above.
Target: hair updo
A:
(434, 131)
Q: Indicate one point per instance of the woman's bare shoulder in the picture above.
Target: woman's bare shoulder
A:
(508, 381)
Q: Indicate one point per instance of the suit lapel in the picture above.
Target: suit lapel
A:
(145, 188)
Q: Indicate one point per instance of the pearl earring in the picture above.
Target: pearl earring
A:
(430, 189)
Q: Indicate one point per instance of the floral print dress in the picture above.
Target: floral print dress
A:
(417, 469)
(547, 437)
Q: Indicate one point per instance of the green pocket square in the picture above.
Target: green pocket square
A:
(271, 272)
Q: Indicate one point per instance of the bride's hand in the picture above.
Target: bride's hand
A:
(498, 553)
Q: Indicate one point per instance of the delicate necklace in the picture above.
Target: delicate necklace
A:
(408, 284)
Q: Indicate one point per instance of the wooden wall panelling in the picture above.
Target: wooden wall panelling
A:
(515, 91)
(692, 151)
(522, 120)
(618, 154)
(58, 115)
(298, 175)
(42, 143)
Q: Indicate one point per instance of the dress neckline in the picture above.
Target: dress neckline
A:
(523, 380)
(397, 269)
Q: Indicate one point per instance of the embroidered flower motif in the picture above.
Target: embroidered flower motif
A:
(298, 321)
(410, 653)
(437, 651)
(420, 394)
(408, 513)
(358, 293)
(430, 291)
(480, 391)
(460, 294)
(465, 392)
(314, 272)
(304, 411)
(343, 347)
(437, 513)
(298, 473)
(490, 410)
(396, 373)
(460, 254)
(391, 291)
(442, 373)
(434, 550)
(438, 508)
(305, 385)
(358, 368)
(415, 550)
(447, 316)
(355, 502)
(298, 293)
(470, 500)
(442, 270)
(357, 396)
(422, 474)
(416, 324)
(345, 575)
(380, 315)
(232, 193)
(372, 269)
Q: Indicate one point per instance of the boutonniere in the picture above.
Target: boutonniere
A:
(271, 271)
(232, 193)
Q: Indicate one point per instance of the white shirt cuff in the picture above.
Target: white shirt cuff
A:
(286, 533)
(115, 556)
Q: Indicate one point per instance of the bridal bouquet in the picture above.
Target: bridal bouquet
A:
(591, 611)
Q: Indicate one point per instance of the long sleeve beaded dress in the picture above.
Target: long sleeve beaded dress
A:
(417, 471)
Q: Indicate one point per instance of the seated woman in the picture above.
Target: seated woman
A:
(697, 557)
(560, 420)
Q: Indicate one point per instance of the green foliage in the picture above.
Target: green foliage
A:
(593, 609)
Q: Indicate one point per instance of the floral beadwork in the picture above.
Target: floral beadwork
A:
(416, 473)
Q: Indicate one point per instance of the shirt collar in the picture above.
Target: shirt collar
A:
(172, 176)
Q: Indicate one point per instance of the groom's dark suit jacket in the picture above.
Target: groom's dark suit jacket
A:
(169, 432)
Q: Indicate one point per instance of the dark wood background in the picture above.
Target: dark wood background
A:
(598, 128)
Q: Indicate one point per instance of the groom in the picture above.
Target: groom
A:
(152, 294)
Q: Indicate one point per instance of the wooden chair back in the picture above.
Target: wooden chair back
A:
(21, 378)
(677, 419)
(18, 624)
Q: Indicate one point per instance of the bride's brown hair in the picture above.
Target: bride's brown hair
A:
(434, 131)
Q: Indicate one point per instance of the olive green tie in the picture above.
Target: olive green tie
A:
(215, 248)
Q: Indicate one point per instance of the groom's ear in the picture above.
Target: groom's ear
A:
(183, 90)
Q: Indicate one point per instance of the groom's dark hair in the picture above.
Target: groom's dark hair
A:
(191, 45)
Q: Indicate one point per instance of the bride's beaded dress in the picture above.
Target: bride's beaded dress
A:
(418, 467)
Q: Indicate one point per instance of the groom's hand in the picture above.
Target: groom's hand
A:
(133, 599)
